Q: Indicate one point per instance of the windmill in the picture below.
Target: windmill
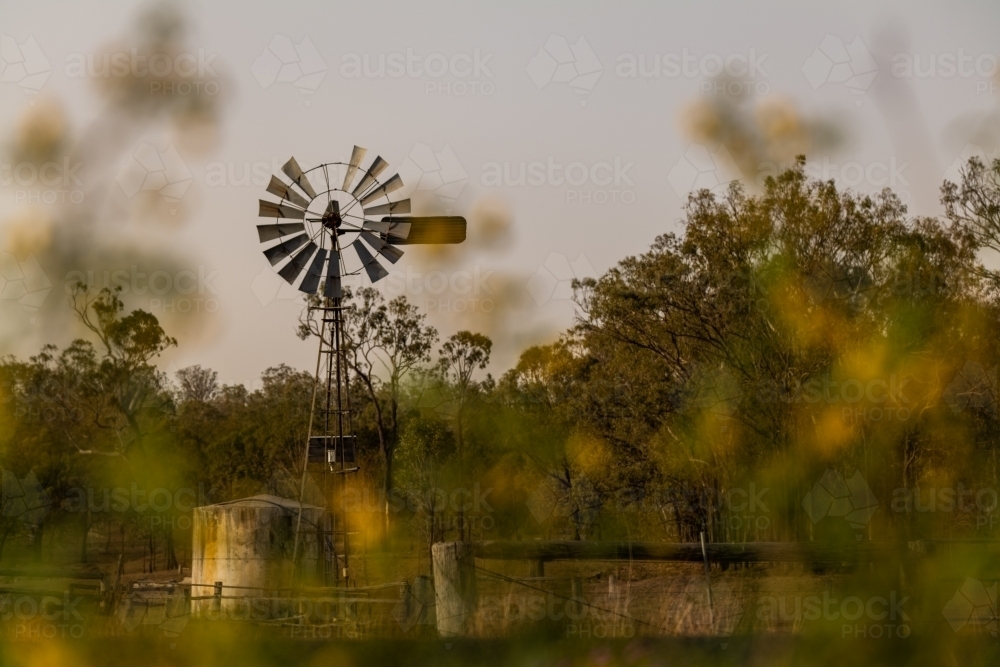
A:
(336, 220)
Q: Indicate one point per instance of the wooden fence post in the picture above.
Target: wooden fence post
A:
(577, 605)
(217, 598)
(454, 588)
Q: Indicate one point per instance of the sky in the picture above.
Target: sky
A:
(612, 111)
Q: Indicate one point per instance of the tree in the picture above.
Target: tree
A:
(197, 384)
(425, 449)
(460, 356)
(702, 355)
(124, 384)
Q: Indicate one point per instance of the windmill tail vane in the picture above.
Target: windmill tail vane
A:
(335, 220)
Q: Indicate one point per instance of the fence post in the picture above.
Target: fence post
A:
(454, 588)
(577, 603)
(708, 581)
(217, 601)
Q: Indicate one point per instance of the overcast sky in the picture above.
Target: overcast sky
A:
(589, 99)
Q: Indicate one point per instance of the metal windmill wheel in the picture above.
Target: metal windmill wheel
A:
(330, 227)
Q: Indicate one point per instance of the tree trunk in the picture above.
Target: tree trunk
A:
(461, 471)
(152, 549)
(39, 538)
(86, 533)
(3, 539)
(171, 555)
(387, 486)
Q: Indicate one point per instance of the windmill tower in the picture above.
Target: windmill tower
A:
(335, 220)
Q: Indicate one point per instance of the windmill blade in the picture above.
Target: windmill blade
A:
(381, 247)
(292, 270)
(268, 209)
(272, 232)
(395, 231)
(378, 166)
(375, 271)
(278, 188)
(311, 282)
(283, 250)
(431, 230)
(294, 172)
(332, 288)
(388, 187)
(398, 208)
(357, 155)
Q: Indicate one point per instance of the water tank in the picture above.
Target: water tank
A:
(247, 545)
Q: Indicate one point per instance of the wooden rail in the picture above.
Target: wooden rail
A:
(744, 552)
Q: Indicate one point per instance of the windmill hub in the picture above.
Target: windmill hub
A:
(331, 218)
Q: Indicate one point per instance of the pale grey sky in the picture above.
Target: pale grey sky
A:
(585, 97)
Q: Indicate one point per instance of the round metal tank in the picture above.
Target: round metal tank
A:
(247, 545)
